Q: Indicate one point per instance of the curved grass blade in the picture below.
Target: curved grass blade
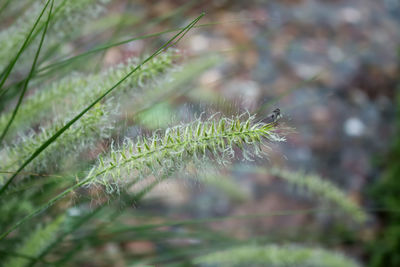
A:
(77, 117)
(46, 70)
(8, 69)
(134, 198)
(43, 71)
(25, 87)
(102, 48)
(88, 217)
(55, 136)
(35, 33)
(75, 226)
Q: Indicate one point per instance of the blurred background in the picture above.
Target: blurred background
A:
(332, 69)
(330, 66)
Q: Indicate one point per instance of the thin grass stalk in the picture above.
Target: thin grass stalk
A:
(77, 117)
(48, 69)
(9, 68)
(29, 76)
(179, 143)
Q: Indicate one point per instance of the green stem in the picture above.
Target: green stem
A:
(25, 87)
(55, 136)
(8, 69)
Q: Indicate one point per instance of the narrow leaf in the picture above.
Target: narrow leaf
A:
(9, 68)
(25, 87)
(55, 136)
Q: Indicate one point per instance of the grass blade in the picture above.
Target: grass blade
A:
(55, 136)
(9, 68)
(87, 218)
(78, 224)
(57, 65)
(43, 71)
(25, 87)
(77, 117)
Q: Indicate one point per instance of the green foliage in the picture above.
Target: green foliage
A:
(76, 90)
(323, 190)
(275, 256)
(15, 208)
(26, 82)
(97, 124)
(100, 122)
(36, 242)
(67, 15)
(386, 248)
(97, 100)
(62, 120)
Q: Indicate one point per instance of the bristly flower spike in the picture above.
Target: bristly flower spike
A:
(214, 139)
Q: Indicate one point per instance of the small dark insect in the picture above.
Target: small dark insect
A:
(273, 117)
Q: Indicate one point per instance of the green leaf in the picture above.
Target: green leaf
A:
(11, 65)
(25, 86)
(72, 121)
